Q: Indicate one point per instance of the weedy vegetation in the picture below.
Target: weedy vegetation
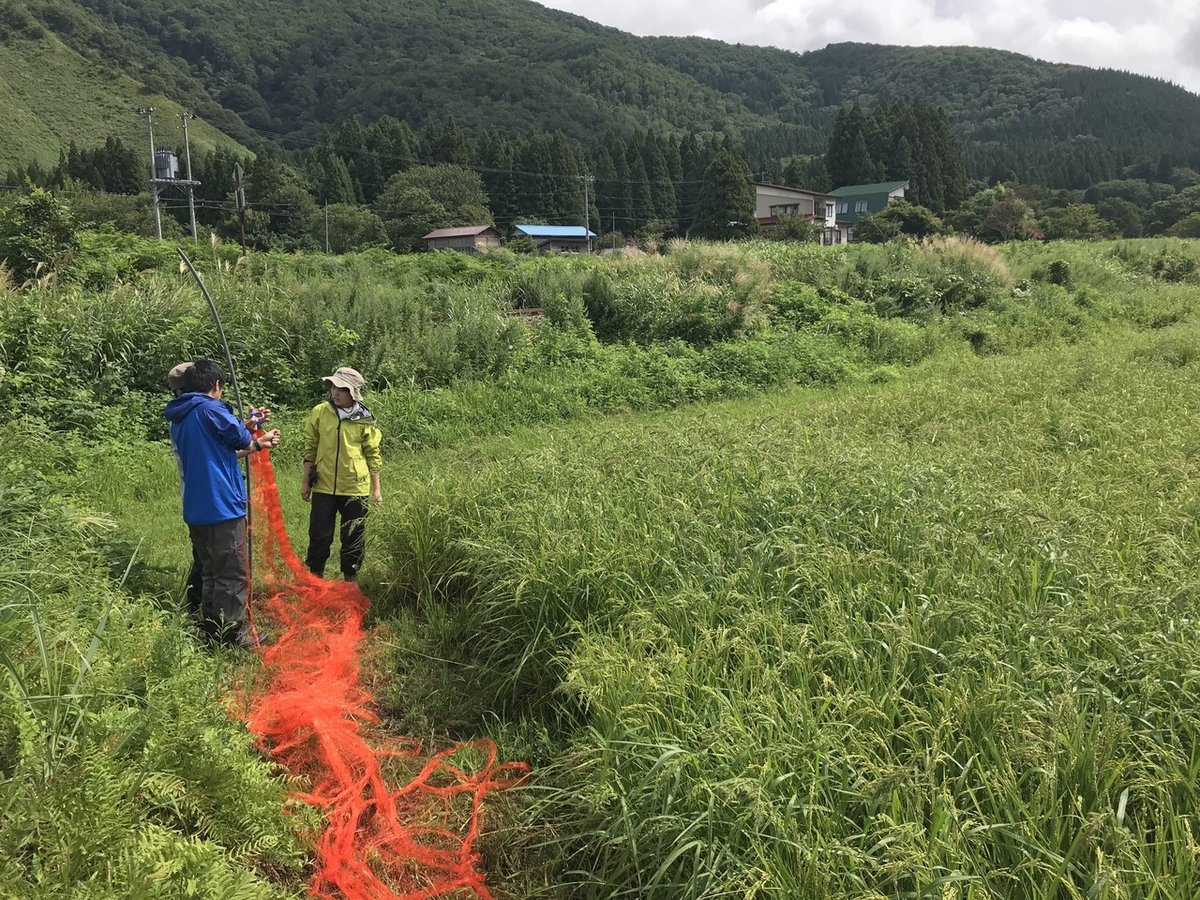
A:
(122, 771)
(795, 571)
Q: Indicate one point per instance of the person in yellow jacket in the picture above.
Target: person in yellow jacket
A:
(341, 469)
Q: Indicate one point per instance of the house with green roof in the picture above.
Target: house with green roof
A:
(856, 200)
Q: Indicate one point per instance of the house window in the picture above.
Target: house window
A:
(860, 206)
(828, 210)
(843, 207)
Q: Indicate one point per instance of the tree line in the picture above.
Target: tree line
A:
(385, 184)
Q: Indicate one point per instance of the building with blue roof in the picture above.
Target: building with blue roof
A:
(556, 238)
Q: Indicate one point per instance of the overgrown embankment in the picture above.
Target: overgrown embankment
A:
(443, 332)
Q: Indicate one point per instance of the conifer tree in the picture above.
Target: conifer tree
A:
(849, 155)
(670, 148)
(214, 171)
(363, 166)
(695, 155)
(662, 188)
(329, 177)
(725, 207)
(394, 145)
(446, 145)
(279, 192)
(641, 202)
(606, 189)
(564, 183)
(495, 155)
(535, 199)
(620, 195)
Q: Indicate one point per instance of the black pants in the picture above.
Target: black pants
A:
(225, 585)
(195, 586)
(321, 521)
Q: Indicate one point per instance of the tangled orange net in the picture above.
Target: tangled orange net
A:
(380, 841)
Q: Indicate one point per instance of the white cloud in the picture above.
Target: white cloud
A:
(1152, 37)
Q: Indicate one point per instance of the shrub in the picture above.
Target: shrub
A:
(1057, 271)
(937, 275)
(522, 244)
(1077, 221)
(1166, 260)
(907, 219)
(37, 233)
(1187, 227)
(797, 229)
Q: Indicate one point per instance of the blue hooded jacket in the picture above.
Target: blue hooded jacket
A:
(206, 436)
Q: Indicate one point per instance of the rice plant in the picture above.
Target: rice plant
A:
(932, 638)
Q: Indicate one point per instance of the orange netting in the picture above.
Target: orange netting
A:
(380, 841)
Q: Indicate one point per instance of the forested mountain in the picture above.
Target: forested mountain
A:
(288, 71)
(1063, 126)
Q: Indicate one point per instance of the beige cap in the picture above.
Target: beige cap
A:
(175, 376)
(348, 378)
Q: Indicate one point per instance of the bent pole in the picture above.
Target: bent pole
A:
(237, 396)
(212, 307)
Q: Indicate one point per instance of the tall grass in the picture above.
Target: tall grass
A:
(121, 771)
(935, 638)
(930, 634)
(91, 352)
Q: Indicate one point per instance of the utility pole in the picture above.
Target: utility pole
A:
(187, 152)
(587, 212)
(240, 195)
(164, 172)
(326, 227)
(147, 112)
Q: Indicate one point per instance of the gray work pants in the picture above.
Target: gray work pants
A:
(225, 586)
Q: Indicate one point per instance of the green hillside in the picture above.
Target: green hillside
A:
(50, 96)
(286, 71)
(1014, 113)
(1018, 112)
(511, 64)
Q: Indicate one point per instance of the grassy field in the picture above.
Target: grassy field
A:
(874, 575)
(50, 95)
(929, 639)
(122, 771)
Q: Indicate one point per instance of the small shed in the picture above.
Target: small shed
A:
(467, 239)
(556, 238)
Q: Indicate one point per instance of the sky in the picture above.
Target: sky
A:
(1150, 37)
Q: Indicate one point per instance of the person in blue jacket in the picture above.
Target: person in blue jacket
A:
(208, 440)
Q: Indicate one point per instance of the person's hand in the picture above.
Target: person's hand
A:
(259, 416)
(269, 440)
(306, 492)
(377, 496)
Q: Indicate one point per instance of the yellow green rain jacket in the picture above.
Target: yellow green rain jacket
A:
(344, 452)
